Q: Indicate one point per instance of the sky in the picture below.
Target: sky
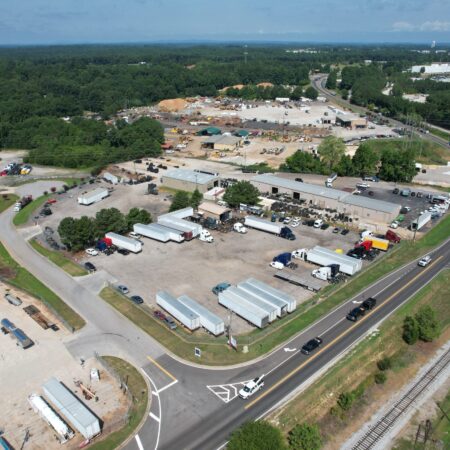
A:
(35, 22)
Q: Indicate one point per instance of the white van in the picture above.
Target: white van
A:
(318, 223)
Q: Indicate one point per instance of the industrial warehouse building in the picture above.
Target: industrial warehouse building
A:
(351, 121)
(210, 209)
(327, 198)
(222, 142)
(189, 180)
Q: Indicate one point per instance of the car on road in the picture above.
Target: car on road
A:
(170, 323)
(89, 267)
(277, 265)
(137, 299)
(91, 252)
(123, 289)
(300, 180)
(424, 261)
(159, 314)
(251, 387)
(220, 287)
(311, 345)
(356, 313)
(369, 303)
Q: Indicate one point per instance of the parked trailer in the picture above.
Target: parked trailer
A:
(88, 198)
(264, 225)
(179, 213)
(380, 244)
(69, 406)
(257, 303)
(178, 310)
(280, 305)
(304, 281)
(174, 235)
(111, 178)
(41, 407)
(212, 323)
(191, 230)
(289, 299)
(120, 241)
(13, 300)
(151, 231)
(4, 445)
(243, 309)
(22, 340)
(421, 221)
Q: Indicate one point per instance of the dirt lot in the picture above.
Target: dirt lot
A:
(23, 372)
(232, 257)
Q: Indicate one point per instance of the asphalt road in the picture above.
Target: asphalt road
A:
(319, 81)
(196, 407)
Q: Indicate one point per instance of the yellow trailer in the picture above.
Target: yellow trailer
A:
(381, 244)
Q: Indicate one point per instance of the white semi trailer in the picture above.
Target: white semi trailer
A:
(125, 242)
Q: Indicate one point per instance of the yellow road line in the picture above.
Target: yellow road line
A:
(161, 368)
(315, 355)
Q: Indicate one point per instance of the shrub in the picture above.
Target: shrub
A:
(385, 363)
(305, 437)
(256, 436)
(380, 377)
(345, 400)
(410, 330)
(428, 324)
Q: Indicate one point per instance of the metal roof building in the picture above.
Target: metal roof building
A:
(328, 198)
(222, 142)
(189, 180)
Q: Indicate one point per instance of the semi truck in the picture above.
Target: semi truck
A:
(239, 228)
(379, 243)
(324, 257)
(283, 258)
(326, 273)
(125, 242)
(270, 227)
(205, 236)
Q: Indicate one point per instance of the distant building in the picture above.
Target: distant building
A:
(222, 142)
(189, 180)
(211, 209)
(209, 131)
(351, 121)
(432, 69)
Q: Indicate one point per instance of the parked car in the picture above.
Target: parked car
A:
(371, 193)
(123, 289)
(394, 225)
(325, 226)
(345, 231)
(220, 287)
(134, 235)
(91, 252)
(159, 314)
(311, 345)
(89, 267)
(424, 261)
(396, 191)
(137, 299)
(295, 223)
(251, 387)
(170, 323)
(123, 251)
(336, 230)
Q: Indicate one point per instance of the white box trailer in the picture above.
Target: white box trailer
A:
(421, 221)
(174, 307)
(179, 213)
(44, 410)
(88, 198)
(289, 299)
(243, 309)
(212, 323)
(69, 406)
(174, 235)
(255, 302)
(125, 242)
(153, 232)
(111, 178)
(264, 225)
(280, 305)
(191, 229)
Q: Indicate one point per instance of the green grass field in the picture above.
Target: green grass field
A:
(20, 277)
(139, 392)
(59, 259)
(24, 214)
(6, 200)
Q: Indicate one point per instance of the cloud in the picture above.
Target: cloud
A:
(435, 25)
(403, 26)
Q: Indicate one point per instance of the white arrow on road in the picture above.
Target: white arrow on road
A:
(356, 302)
(287, 349)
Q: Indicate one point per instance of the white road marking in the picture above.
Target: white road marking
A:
(226, 392)
(159, 407)
(356, 302)
(154, 417)
(167, 386)
(139, 443)
(287, 349)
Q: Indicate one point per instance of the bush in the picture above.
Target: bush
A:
(257, 436)
(385, 363)
(345, 400)
(305, 437)
(410, 330)
(380, 377)
(428, 324)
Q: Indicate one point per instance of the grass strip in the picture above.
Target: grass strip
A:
(6, 200)
(18, 276)
(23, 215)
(59, 259)
(139, 393)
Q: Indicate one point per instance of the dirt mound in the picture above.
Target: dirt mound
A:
(172, 105)
(264, 84)
(236, 86)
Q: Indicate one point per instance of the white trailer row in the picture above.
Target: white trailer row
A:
(125, 242)
(94, 196)
(212, 323)
(158, 232)
(178, 310)
(41, 407)
(191, 230)
(264, 225)
(69, 406)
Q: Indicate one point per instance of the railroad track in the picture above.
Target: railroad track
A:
(377, 431)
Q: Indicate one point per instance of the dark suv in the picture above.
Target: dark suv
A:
(89, 267)
(311, 345)
(356, 313)
(369, 304)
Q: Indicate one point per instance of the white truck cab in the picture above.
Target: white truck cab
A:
(239, 228)
(206, 236)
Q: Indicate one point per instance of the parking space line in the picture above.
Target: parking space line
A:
(161, 368)
(139, 442)
(154, 417)
(167, 386)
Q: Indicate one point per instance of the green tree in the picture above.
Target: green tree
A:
(345, 167)
(66, 231)
(77, 234)
(305, 437)
(196, 199)
(180, 200)
(311, 93)
(410, 330)
(397, 165)
(297, 93)
(257, 436)
(365, 160)
(331, 150)
(136, 215)
(380, 377)
(345, 400)
(241, 192)
(344, 94)
(331, 80)
(303, 162)
(429, 328)
(110, 220)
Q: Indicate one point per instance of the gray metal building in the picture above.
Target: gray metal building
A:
(352, 205)
(189, 180)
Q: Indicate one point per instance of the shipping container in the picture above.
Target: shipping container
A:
(174, 307)
(379, 243)
(300, 280)
(125, 242)
(288, 299)
(212, 323)
(88, 198)
(41, 407)
(264, 225)
(151, 231)
(243, 309)
(71, 408)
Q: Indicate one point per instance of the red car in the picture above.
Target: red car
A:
(50, 201)
(3, 173)
(159, 315)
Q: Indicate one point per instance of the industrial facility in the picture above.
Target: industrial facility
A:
(351, 121)
(327, 198)
(189, 180)
(222, 142)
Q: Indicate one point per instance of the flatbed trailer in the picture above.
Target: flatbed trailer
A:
(307, 282)
(38, 317)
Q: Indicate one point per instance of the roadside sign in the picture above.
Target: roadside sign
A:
(197, 352)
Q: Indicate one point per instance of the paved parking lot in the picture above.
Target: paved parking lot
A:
(194, 267)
